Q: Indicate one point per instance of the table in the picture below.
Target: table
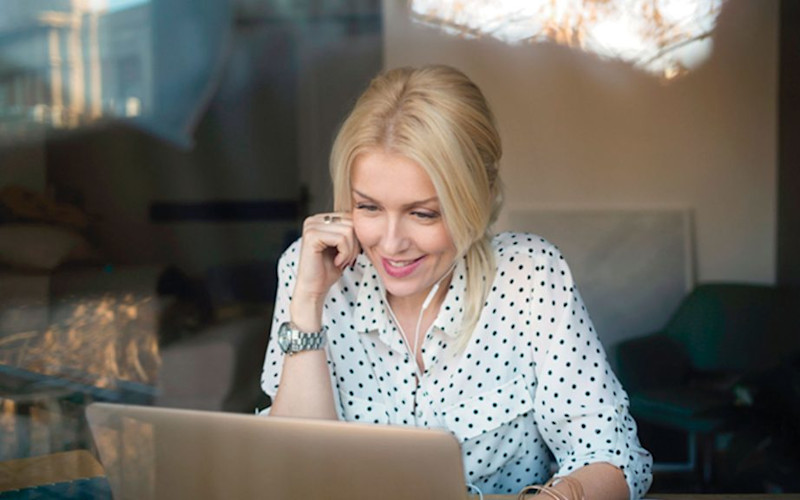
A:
(81, 464)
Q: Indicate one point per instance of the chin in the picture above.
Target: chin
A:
(402, 289)
(398, 289)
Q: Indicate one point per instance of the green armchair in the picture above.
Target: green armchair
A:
(684, 376)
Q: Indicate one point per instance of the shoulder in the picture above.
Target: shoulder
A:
(523, 247)
(290, 256)
(526, 255)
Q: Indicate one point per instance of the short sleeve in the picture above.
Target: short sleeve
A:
(581, 409)
(273, 362)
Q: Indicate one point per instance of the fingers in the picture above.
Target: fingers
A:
(332, 219)
(333, 231)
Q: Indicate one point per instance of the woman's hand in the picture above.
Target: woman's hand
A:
(329, 245)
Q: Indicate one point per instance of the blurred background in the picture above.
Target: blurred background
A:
(156, 157)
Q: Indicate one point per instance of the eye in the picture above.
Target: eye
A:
(425, 214)
(368, 207)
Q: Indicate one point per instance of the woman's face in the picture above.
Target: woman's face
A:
(398, 222)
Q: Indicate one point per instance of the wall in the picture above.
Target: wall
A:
(580, 132)
(789, 148)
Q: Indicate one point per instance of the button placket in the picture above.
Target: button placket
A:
(417, 408)
(430, 355)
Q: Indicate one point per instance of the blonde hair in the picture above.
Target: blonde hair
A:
(437, 117)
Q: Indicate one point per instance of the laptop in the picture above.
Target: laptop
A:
(162, 453)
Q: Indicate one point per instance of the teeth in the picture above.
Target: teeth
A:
(400, 263)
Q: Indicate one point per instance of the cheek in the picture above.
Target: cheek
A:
(436, 241)
(366, 231)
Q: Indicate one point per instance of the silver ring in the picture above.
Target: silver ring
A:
(330, 218)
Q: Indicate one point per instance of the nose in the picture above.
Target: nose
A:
(394, 240)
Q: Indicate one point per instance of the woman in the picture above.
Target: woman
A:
(400, 307)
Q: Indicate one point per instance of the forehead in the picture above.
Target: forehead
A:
(391, 176)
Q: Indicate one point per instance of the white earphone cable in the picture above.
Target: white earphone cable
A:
(425, 304)
(471, 486)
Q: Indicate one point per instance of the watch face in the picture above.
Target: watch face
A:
(285, 337)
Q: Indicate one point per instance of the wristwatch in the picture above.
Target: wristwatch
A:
(291, 340)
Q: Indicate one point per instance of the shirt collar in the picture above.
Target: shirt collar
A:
(371, 311)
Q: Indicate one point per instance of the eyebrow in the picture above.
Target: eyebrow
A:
(407, 205)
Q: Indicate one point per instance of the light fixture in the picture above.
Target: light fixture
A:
(667, 38)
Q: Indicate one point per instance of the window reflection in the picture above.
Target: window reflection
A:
(667, 38)
(66, 63)
(101, 298)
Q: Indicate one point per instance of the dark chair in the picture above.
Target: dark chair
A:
(684, 377)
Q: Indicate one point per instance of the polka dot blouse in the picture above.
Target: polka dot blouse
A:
(533, 382)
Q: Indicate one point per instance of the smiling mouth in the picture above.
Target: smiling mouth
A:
(400, 268)
(400, 263)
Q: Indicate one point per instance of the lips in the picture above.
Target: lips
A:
(400, 268)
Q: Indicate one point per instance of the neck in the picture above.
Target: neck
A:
(413, 305)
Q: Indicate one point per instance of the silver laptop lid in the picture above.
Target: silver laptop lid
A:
(160, 453)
